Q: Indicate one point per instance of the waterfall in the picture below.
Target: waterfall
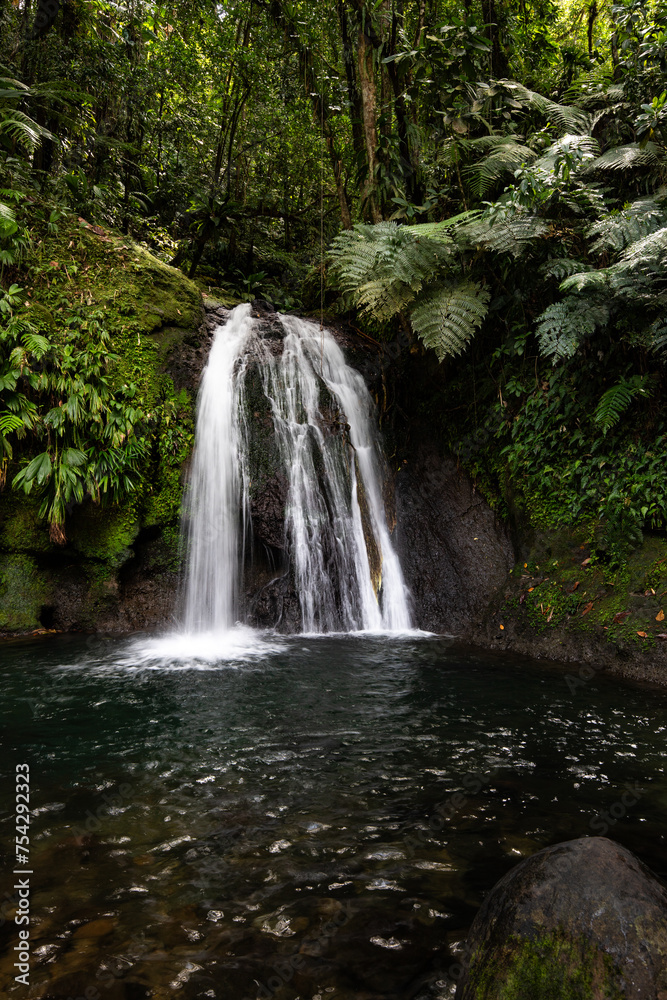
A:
(344, 567)
(217, 483)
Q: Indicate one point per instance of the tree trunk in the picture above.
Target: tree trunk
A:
(369, 109)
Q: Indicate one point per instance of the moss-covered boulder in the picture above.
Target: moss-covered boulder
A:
(95, 575)
(583, 920)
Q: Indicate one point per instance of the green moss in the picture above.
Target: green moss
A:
(561, 585)
(550, 967)
(104, 533)
(23, 592)
(21, 528)
(149, 309)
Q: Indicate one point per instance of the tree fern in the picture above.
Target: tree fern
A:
(384, 266)
(504, 156)
(564, 325)
(616, 400)
(514, 233)
(619, 229)
(629, 157)
(565, 117)
(446, 317)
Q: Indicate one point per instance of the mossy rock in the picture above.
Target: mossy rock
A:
(583, 920)
(153, 315)
(23, 593)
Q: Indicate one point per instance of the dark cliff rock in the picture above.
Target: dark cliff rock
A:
(583, 919)
(454, 552)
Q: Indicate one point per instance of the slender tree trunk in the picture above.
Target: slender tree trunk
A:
(356, 113)
(369, 109)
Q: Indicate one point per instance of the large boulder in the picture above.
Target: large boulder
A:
(584, 919)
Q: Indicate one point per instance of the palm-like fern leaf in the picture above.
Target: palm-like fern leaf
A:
(504, 157)
(513, 234)
(616, 400)
(619, 229)
(447, 316)
(629, 157)
(564, 116)
(385, 265)
(563, 325)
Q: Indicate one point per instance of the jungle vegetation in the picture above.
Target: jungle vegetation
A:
(482, 181)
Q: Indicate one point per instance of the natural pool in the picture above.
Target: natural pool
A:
(318, 818)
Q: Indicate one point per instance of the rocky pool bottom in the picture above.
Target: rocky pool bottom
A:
(310, 817)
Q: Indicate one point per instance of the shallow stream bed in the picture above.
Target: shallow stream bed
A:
(315, 818)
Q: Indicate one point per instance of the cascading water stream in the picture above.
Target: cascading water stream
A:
(345, 570)
(217, 483)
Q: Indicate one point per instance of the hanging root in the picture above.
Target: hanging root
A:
(57, 533)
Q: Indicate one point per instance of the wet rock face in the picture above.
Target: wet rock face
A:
(583, 919)
(454, 552)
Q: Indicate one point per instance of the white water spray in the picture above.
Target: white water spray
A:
(346, 572)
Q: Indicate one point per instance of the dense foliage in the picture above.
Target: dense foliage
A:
(494, 173)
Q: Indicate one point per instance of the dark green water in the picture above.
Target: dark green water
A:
(289, 825)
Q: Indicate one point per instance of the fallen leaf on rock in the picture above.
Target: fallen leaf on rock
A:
(663, 635)
(660, 617)
(588, 608)
(644, 635)
(620, 617)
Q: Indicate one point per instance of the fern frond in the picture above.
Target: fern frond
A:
(441, 230)
(565, 117)
(648, 255)
(658, 336)
(629, 157)
(446, 317)
(385, 265)
(10, 422)
(506, 157)
(564, 325)
(585, 145)
(35, 343)
(512, 234)
(607, 99)
(588, 281)
(19, 127)
(616, 400)
(563, 267)
(618, 229)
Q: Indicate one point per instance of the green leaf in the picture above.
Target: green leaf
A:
(446, 317)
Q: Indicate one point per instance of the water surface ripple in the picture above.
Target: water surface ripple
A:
(311, 817)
